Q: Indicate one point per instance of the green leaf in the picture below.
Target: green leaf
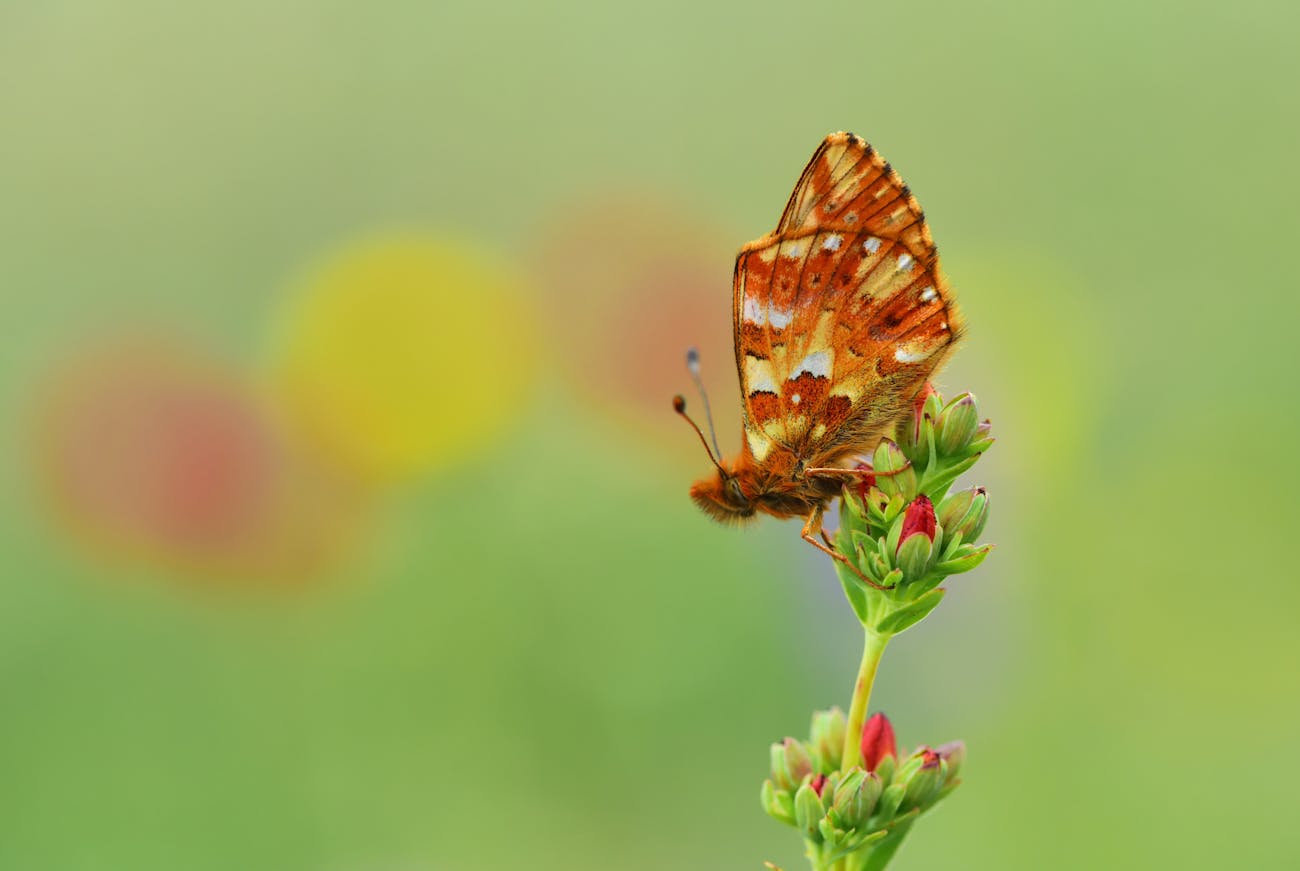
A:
(885, 849)
(940, 477)
(908, 616)
(856, 842)
(917, 589)
(854, 590)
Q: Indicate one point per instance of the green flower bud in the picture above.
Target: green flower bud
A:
(965, 513)
(808, 811)
(922, 787)
(797, 763)
(828, 739)
(778, 803)
(889, 458)
(957, 426)
(911, 431)
(855, 799)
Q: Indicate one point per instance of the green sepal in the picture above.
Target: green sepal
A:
(901, 477)
(855, 506)
(777, 757)
(950, 546)
(923, 786)
(889, 546)
(914, 555)
(876, 567)
(808, 811)
(885, 769)
(778, 803)
(833, 836)
(890, 799)
(963, 560)
(862, 541)
(906, 617)
(856, 798)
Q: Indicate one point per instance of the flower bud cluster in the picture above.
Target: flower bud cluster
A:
(842, 812)
(901, 528)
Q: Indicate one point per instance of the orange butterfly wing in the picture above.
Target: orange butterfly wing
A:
(840, 314)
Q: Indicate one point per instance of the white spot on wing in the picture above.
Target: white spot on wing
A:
(817, 364)
(793, 252)
(758, 375)
(871, 246)
(928, 295)
(903, 355)
(795, 399)
(904, 262)
(752, 312)
(831, 243)
(780, 318)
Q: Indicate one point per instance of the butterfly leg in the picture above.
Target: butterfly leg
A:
(814, 522)
(856, 473)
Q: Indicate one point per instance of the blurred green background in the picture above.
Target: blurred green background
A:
(345, 524)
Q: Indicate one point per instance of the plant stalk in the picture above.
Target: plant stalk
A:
(872, 649)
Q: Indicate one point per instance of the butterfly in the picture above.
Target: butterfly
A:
(840, 317)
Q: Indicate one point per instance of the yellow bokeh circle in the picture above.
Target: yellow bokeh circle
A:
(404, 353)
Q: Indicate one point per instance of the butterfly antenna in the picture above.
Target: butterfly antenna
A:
(679, 406)
(693, 363)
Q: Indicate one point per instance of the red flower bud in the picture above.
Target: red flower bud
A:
(877, 741)
(929, 758)
(818, 784)
(918, 519)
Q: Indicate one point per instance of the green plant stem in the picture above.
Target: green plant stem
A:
(872, 649)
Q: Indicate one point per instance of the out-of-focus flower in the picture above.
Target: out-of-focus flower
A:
(161, 456)
(404, 353)
(630, 282)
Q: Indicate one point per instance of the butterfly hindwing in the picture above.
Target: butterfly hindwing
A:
(838, 322)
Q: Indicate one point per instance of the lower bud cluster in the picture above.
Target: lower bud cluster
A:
(842, 812)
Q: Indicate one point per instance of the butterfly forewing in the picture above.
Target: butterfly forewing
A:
(847, 184)
(840, 314)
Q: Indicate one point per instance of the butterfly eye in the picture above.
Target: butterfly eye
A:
(733, 490)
